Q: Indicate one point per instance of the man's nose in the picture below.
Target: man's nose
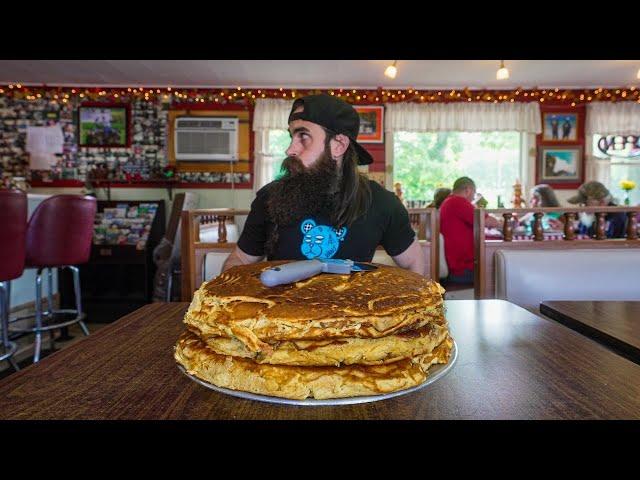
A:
(292, 151)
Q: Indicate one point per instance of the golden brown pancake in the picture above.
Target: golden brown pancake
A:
(297, 382)
(336, 351)
(370, 304)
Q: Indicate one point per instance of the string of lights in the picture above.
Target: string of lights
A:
(248, 96)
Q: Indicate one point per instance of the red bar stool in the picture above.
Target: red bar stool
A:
(59, 235)
(13, 228)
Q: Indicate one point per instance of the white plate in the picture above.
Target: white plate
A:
(436, 372)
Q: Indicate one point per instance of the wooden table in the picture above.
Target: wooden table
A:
(613, 324)
(512, 365)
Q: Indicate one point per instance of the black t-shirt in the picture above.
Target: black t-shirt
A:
(616, 225)
(386, 223)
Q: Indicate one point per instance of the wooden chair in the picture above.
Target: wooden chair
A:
(198, 225)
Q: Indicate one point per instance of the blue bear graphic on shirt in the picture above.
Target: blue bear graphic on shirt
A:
(320, 241)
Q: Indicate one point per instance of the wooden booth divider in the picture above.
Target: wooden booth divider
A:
(424, 222)
(485, 249)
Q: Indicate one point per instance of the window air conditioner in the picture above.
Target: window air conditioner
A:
(206, 138)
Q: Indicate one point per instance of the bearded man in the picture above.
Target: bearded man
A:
(595, 194)
(323, 207)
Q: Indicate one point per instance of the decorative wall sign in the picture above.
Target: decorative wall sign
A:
(624, 146)
(144, 159)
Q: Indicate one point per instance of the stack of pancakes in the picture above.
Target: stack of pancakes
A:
(329, 336)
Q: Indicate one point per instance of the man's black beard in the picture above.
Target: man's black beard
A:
(303, 193)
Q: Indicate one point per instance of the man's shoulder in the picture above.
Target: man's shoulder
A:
(264, 191)
(378, 192)
(454, 202)
(383, 200)
(448, 202)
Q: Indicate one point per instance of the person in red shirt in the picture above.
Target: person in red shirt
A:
(456, 226)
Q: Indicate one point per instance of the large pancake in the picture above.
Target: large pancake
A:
(304, 382)
(336, 351)
(364, 304)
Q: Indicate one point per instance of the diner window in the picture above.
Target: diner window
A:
(425, 161)
(623, 153)
(278, 142)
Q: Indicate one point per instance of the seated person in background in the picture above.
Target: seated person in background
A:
(595, 194)
(439, 196)
(543, 196)
(456, 226)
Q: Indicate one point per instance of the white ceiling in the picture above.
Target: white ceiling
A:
(322, 73)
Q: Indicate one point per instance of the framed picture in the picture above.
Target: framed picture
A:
(560, 127)
(104, 125)
(560, 165)
(371, 123)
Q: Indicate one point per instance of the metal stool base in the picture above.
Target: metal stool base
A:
(9, 347)
(8, 355)
(39, 316)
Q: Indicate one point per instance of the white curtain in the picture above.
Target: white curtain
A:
(463, 117)
(608, 118)
(269, 114)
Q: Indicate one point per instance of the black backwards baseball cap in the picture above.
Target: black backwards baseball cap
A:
(333, 114)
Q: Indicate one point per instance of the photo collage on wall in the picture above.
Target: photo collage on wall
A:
(15, 117)
(100, 142)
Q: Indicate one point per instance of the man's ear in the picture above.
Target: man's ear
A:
(339, 145)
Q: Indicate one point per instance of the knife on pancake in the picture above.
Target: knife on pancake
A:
(295, 271)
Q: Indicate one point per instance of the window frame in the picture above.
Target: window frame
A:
(526, 161)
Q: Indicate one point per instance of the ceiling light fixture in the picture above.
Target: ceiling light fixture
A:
(503, 72)
(391, 70)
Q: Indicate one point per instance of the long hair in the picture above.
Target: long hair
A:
(341, 195)
(354, 196)
(547, 195)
